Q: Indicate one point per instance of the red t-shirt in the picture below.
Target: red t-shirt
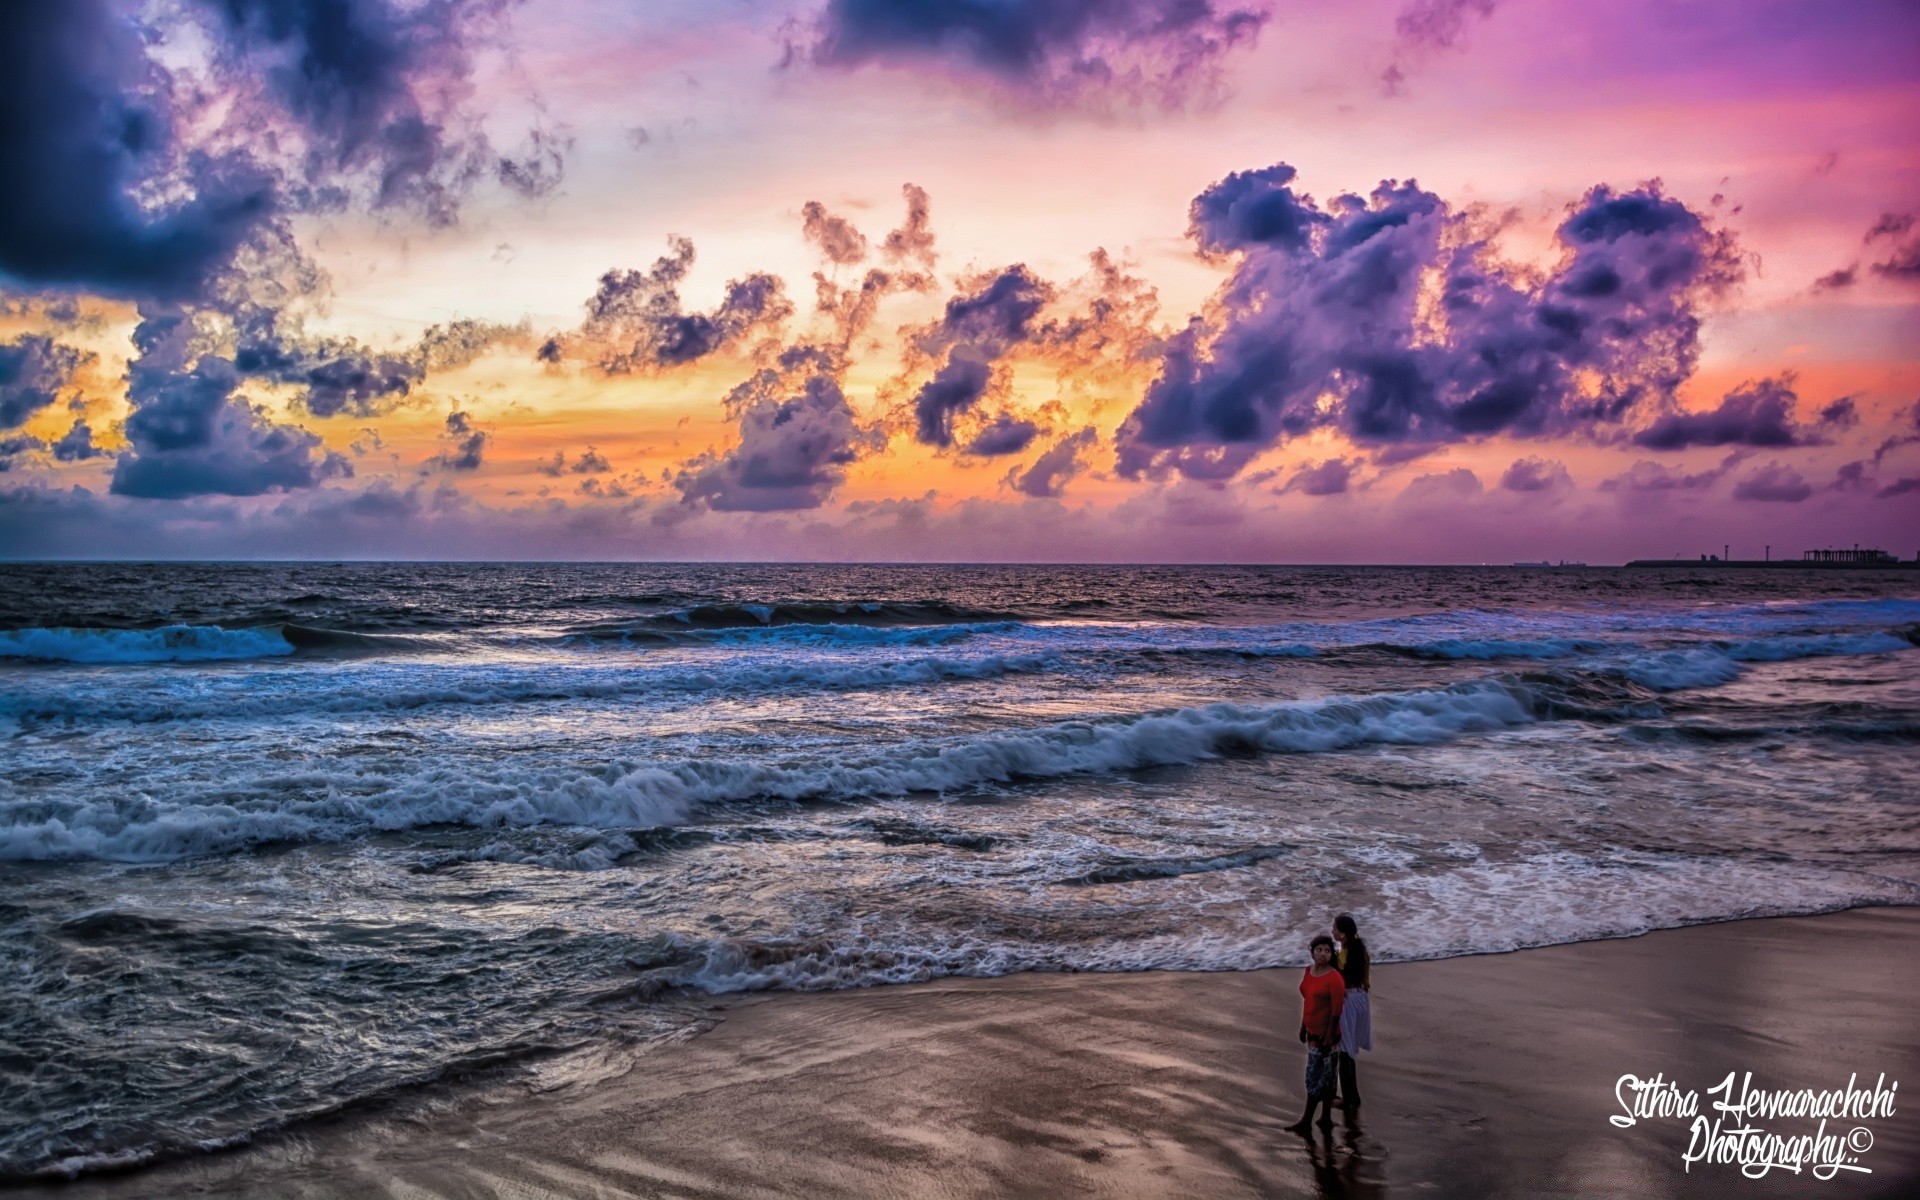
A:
(1324, 997)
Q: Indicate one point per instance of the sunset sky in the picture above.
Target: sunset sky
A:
(1059, 280)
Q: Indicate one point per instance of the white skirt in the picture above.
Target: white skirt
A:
(1356, 1023)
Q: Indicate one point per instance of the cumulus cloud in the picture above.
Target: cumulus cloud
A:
(1389, 319)
(798, 434)
(33, 371)
(339, 375)
(1775, 482)
(1440, 489)
(1648, 476)
(1536, 475)
(1050, 52)
(589, 462)
(1757, 413)
(912, 242)
(76, 444)
(909, 255)
(1002, 435)
(1329, 478)
(977, 329)
(836, 236)
(190, 434)
(13, 448)
(1047, 477)
(636, 320)
(469, 446)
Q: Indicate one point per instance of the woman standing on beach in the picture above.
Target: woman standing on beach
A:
(1356, 1015)
(1322, 993)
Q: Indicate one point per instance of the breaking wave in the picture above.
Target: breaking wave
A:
(143, 828)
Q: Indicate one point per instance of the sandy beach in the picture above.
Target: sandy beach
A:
(1494, 1075)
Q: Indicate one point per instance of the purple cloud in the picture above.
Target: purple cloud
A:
(1055, 52)
(1329, 478)
(798, 434)
(1002, 435)
(1047, 477)
(977, 329)
(33, 370)
(1321, 324)
(1757, 413)
(636, 321)
(189, 434)
(1775, 482)
(1536, 475)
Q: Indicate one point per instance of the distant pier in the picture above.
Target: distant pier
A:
(1855, 559)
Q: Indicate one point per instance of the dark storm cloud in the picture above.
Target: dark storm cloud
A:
(112, 185)
(637, 322)
(836, 236)
(372, 89)
(977, 329)
(798, 435)
(1774, 482)
(189, 434)
(1834, 280)
(1003, 435)
(12, 449)
(1899, 487)
(1051, 51)
(33, 370)
(1757, 413)
(76, 444)
(124, 179)
(1535, 475)
(1321, 324)
(1048, 475)
(89, 125)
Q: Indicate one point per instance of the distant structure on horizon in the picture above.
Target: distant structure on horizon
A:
(1854, 559)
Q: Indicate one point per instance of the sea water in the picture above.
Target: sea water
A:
(278, 840)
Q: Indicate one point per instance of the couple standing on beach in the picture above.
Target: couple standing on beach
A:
(1336, 1020)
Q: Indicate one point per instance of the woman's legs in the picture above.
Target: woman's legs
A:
(1320, 1076)
(1349, 1080)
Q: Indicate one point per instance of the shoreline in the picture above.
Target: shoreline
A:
(1494, 1074)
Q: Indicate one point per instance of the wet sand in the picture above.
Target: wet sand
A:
(1494, 1076)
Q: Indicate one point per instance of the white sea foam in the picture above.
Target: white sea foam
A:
(171, 643)
(1480, 907)
(132, 827)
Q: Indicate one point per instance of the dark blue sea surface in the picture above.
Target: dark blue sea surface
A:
(278, 840)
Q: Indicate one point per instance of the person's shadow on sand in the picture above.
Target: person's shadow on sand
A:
(1346, 1167)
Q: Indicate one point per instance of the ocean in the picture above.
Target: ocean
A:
(278, 841)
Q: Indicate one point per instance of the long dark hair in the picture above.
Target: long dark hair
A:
(1359, 969)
